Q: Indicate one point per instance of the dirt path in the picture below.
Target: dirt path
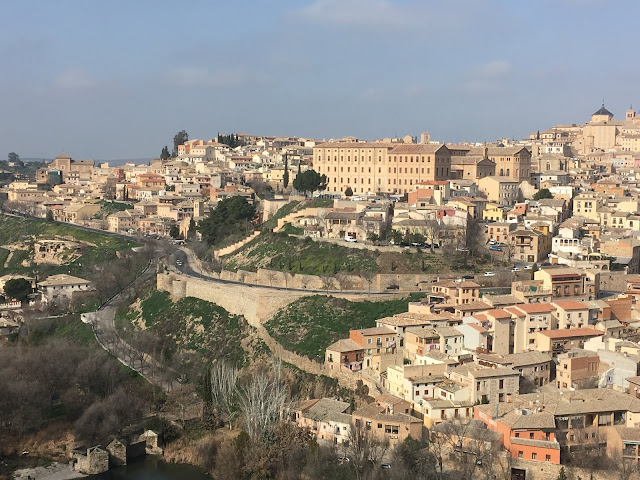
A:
(6, 262)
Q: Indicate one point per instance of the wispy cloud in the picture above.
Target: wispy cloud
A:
(487, 78)
(492, 70)
(74, 79)
(364, 13)
(191, 77)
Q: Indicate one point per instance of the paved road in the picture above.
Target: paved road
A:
(104, 329)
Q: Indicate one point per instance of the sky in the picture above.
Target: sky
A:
(118, 79)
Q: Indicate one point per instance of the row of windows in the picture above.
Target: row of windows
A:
(394, 158)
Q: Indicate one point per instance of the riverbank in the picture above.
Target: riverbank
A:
(54, 471)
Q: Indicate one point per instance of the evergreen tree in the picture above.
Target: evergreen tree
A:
(165, 155)
(179, 138)
(285, 175)
(562, 475)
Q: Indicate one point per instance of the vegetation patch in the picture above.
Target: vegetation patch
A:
(102, 248)
(192, 325)
(309, 325)
(279, 251)
(281, 213)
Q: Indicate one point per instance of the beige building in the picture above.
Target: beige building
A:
(568, 282)
(528, 245)
(499, 189)
(389, 418)
(380, 167)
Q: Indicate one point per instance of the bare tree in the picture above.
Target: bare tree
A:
(344, 280)
(365, 451)
(224, 391)
(368, 274)
(432, 230)
(262, 402)
(327, 282)
(271, 275)
(626, 468)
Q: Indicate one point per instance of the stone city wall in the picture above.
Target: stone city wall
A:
(335, 283)
(257, 304)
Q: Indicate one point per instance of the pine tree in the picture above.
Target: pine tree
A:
(562, 475)
(285, 175)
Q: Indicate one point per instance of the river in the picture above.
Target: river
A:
(153, 468)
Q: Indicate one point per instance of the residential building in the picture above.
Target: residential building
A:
(528, 245)
(534, 367)
(62, 286)
(325, 419)
(388, 422)
(499, 189)
(344, 353)
(577, 369)
(560, 341)
(374, 341)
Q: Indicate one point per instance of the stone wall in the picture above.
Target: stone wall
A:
(305, 212)
(257, 304)
(613, 281)
(335, 283)
(236, 246)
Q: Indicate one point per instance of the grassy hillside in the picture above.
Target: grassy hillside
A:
(285, 253)
(103, 248)
(290, 254)
(193, 325)
(309, 325)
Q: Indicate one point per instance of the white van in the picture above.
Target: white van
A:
(349, 239)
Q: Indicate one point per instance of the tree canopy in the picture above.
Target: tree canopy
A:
(13, 157)
(232, 215)
(165, 155)
(231, 140)
(179, 138)
(309, 182)
(348, 192)
(18, 289)
(285, 175)
(542, 193)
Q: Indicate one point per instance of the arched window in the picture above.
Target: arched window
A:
(501, 172)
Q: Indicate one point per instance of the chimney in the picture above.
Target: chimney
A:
(485, 151)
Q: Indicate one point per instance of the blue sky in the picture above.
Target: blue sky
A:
(118, 79)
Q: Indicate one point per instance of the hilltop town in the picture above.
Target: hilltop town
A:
(518, 262)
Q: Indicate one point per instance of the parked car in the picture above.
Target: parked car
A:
(393, 287)
(462, 249)
(495, 248)
(489, 274)
(528, 267)
(468, 277)
(349, 239)
(492, 242)
(515, 269)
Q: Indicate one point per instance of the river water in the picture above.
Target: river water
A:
(153, 468)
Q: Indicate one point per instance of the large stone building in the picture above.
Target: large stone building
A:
(380, 167)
